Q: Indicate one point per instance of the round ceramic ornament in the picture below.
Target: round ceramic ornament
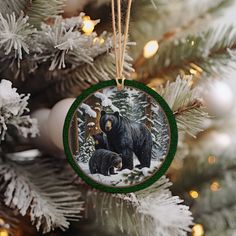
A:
(120, 141)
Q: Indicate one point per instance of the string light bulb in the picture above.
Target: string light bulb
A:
(215, 186)
(150, 49)
(194, 194)
(99, 41)
(211, 160)
(88, 25)
(4, 233)
(198, 230)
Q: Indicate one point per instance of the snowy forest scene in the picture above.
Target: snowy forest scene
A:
(122, 137)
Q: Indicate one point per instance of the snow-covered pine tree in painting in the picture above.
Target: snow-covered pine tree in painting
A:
(123, 101)
(147, 111)
(139, 101)
(86, 150)
(160, 133)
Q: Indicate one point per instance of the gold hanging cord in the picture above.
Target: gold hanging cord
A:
(120, 49)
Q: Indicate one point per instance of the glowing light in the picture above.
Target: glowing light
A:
(211, 160)
(192, 43)
(196, 67)
(215, 186)
(194, 194)
(198, 230)
(193, 72)
(98, 40)
(150, 49)
(88, 25)
(4, 233)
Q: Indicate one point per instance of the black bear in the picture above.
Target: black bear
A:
(104, 161)
(127, 137)
(100, 141)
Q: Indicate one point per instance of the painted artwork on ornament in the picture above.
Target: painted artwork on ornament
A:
(119, 138)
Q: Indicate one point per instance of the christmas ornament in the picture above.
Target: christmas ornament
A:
(43, 141)
(125, 139)
(119, 135)
(56, 121)
(214, 142)
(219, 99)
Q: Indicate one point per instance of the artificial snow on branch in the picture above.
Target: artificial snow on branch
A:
(15, 34)
(152, 212)
(42, 190)
(186, 104)
(211, 52)
(10, 6)
(71, 81)
(174, 24)
(12, 109)
(63, 43)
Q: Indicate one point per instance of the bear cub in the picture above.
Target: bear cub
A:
(104, 161)
(100, 141)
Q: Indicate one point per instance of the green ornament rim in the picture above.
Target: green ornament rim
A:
(172, 146)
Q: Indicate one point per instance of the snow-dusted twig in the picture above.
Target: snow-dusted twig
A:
(42, 190)
(12, 109)
(157, 213)
(15, 34)
(186, 104)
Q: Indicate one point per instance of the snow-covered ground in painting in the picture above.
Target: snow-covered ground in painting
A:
(117, 180)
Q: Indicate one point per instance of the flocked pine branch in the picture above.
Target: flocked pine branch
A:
(10, 6)
(186, 104)
(150, 213)
(47, 196)
(15, 35)
(80, 78)
(13, 107)
(60, 49)
(173, 23)
(208, 53)
(37, 10)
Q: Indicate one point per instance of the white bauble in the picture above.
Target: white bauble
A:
(43, 141)
(213, 142)
(56, 121)
(219, 99)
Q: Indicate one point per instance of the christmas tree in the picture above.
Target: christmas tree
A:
(185, 50)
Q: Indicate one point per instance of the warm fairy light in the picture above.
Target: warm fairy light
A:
(192, 43)
(194, 194)
(150, 49)
(98, 40)
(211, 160)
(193, 72)
(198, 230)
(88, 25)
(215, 186)
(4, 233)
(196, 67)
